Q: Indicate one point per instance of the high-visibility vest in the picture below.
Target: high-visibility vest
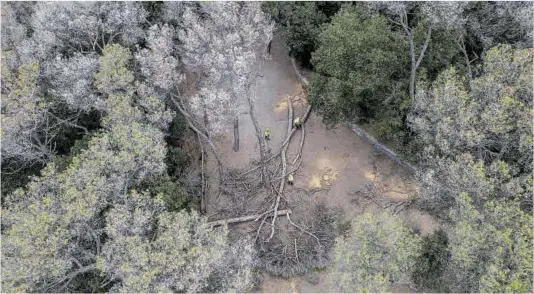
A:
(267, 132)
(297, 121)
(290, 178)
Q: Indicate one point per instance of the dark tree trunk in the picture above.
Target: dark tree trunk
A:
(261, 141)
(236, 134)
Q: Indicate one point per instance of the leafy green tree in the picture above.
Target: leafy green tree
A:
(491, 23)
(431, 264)
(173, 193)
(301, 23)
(361, 72)
(491, 247)
(153, 250)
(52, 228)
(478, 170)
(377, 253)
(114, 75)
(43, 222)
(478, 141)
(429, 14)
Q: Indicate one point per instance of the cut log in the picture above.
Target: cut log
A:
(380, 147)
(246, 218)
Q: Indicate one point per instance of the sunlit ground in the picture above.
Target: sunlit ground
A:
(326, 174)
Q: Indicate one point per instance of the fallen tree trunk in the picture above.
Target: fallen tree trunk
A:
(246, 218)
(288, 137)
(290, 131)
(302, 79)
(367, 137)
(192, 126)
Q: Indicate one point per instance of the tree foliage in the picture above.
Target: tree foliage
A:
(72, 81)
(78, 26)
(227, 75)
(478, 160)
(300, 24)
(153, 250)
(45, 222)
(491, 247)
(478, 140)
(491, 23)
(53, 228)
(377, 253)
(23, 116)
(432, 263)
(361, 71)
(99, 180)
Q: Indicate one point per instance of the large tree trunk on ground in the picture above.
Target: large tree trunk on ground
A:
(302, 79)
(385, 150)
(290, 131)
(236, 134)
(246, 218)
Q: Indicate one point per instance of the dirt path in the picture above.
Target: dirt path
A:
(334, 159)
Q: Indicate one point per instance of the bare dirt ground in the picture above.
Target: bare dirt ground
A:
(336, 162)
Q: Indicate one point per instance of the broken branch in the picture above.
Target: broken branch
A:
(245, 218)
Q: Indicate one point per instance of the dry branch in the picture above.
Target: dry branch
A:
(284, 165)
(287, 173)
(249, 171)
(261, 141)
(259, 228)
(298, 227)
(254, 217)
(301, 144)
(288, 137)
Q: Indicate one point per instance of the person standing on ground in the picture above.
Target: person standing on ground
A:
(297, 122)
(290, 179)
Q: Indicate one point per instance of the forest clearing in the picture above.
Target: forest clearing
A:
(273, 147)
(337, 166)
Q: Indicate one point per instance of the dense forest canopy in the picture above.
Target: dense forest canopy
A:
(107, 108)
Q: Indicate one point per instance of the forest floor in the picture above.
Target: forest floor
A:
(335, 161)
